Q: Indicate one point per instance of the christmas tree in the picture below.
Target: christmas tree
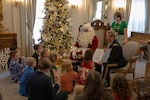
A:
(56, 29)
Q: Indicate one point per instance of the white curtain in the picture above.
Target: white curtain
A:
(137, 16)
(128, 9)
(92, 5)
(27, 23)
(31, 12)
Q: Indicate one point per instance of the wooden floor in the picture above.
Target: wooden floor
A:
(9, 90)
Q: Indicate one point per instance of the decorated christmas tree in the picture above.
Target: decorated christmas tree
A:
(56, 29)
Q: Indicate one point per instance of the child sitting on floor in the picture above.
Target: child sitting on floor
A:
(44, 53)
(121, 88)
(53, 69)
(13, 48)
(16, 67)
(87, 66)
(31, 63)
(68, 77)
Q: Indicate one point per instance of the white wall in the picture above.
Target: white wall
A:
(79, 16)
(11, 18)
(7, 14)
(83, 14)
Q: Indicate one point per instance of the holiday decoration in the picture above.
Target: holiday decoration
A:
(56, 29)
(4, 56)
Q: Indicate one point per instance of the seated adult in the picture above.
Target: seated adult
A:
(86, 39)
(39, 84)
(115, 55)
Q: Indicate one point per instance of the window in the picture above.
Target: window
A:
(98, 13)
(38, 21)
(137, 17)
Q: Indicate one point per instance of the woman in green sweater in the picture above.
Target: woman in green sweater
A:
(120, 27)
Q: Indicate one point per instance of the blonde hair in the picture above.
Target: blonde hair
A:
(30, 61)
(78, 89)
(43, 52)
(111, 33)
(53, 57)
(66, 66)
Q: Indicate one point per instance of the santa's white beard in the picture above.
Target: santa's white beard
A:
(85, 39)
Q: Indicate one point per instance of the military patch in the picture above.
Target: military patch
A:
(115, 44)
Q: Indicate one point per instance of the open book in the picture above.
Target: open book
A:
(98, 55)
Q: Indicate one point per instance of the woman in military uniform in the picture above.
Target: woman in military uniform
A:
(115, 55)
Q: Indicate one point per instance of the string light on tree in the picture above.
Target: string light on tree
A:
(56, 29)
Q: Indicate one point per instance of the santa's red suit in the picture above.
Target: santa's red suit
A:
(86, 39)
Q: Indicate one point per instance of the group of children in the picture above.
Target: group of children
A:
(19, 68)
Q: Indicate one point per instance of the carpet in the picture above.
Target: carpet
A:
(9, 90)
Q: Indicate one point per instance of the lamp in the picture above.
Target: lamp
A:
(74, 6)
(120, 4)
(17, 3)
(74, 3)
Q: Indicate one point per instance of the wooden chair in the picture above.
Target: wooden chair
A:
(147, 70)
(130, 53)
(100, 30)
(142, 84)
(145, 51)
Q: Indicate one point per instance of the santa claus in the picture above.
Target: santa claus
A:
(86, 39)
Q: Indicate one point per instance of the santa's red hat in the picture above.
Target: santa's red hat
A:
(86, 28)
